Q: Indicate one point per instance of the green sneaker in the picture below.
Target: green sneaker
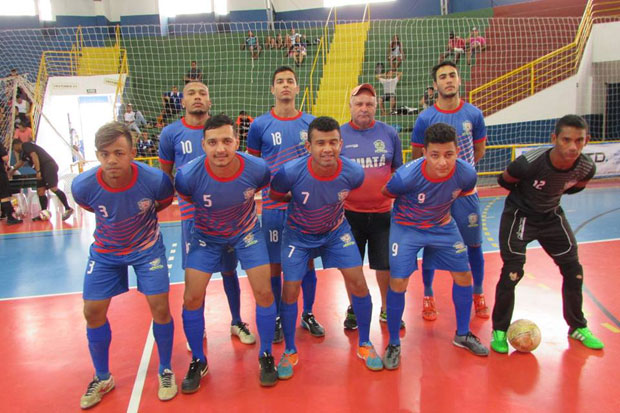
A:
(499, 344)
(584, 335)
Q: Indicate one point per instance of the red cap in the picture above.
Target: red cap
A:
(364, 86)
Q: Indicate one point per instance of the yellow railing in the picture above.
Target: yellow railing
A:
(542, 72)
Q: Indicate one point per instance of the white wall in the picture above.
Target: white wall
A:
(291, 5)
(605, 36)
(246, 4)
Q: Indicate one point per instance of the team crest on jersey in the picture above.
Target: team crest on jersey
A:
(249, 240)
(379, 146)
(249, 193)
(467, 128)
(156, 264)
(473, 220)
(303, 135)
(342, 195)
(459, 247)
(145, 204)
(456, 193)
(347, 240)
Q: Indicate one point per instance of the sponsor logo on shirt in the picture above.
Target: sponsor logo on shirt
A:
(342, 195)
(156, 264)
(371, 161)
(303, 135)
(467, 128)
(473, 220)
(459, 247)
(249, 240)
(145, 204)
(347, 240)
(379, 146)
(353, 145)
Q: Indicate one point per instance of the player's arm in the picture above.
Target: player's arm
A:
(280, 189)
(416, 151)
(505, 180)
(15, 167)
(280, 197)
(417, 138)
(167, 168)
(480, 148)
(254, 140)
(581, 185)
(76, 191)
(386, 192)
(165, 194)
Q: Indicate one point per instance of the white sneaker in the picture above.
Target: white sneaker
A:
(95, 391)
(242, 331)
(167, 385)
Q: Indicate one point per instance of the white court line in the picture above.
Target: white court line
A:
(138, 386)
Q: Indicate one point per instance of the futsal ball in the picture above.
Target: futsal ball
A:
(523, 335)
(45, 215)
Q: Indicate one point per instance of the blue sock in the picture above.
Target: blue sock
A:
(164, 335)
(233, 293)
(461, 296)
(194, 327)
(395, 306)
(288, 313)
(362, 306)
(276, 288)
(308, 288)
(266, 323)
(427, 279)
(476, 262)
(99, 340)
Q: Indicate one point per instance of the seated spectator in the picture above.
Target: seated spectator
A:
(270, 42)
(194, 73)
(476, 43)
(22, 109)
(298, 51)
(129, 117)
(279, 41)
(389, 80)
(429, 98)
(22, 132)
(456, 47)
(172, 104)
(243, 126)
(145, 146)
(290, 39)
(252, 44)
(395, 52)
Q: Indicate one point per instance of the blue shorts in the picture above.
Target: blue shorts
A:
(337, 249)
(106, 275)
(443, 249)
(229, 259)
(209, 254)
(466, 212)
(272, 223)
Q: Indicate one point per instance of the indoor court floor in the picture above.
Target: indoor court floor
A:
(46, 365)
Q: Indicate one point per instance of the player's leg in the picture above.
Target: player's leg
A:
(41, 189)
(5, 200)
(429, 309)
(392, 102)
(381, 101)
(50, 177)
(272, 221)
(230, 279)
(308, 288)
(462, 299)
(359, 223)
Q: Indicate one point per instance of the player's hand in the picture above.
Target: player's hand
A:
(39, 176)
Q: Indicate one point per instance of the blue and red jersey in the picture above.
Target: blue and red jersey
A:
(126, 218)
(278, 140)
(378, 150)
(466, 119)
(317, 204)
(224, 207)
(424, 202)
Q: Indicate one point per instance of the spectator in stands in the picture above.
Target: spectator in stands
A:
(395, 52)
(290, 39)
(22, 132)
(130, 118)
(252, 44)
(298, 51)
(476, 43)
(279, 41)
(22, 108)
(243, 126)
(270, 42)
(456, 47)
(194, 73)
(172, 104)
(145, 146)
(429, 97)
(389, 80)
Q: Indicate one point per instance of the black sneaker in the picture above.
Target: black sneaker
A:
(309, 323)
(471, 343)
(197, 370)
(278, 336)
(350, 320)
(391, 358)
(268, 372)
(13, 221)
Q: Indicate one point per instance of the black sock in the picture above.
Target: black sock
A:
(7, 209)
(63, 198)
(43, 201)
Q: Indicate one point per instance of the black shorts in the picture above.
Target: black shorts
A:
(5, 189)
(374, 229)
(49, 176)
(552, 231)
(388, 96)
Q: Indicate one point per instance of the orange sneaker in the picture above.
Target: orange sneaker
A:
(367, 353)
(480, 305)
(429, 312)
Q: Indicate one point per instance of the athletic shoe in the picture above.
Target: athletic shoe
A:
(429, 312)
(391, 358)
(67, 214)
(37, 218)
(13, 221)
(268, 372)
(383, 319)
(308, 321)
(242, 331)
(204, 336)
(197, 370)
(95, 391)
(278, 336)
(285, 366)
(367, 352)
(167, 385)
(350, 320)
(588, 339)
(471, 343)
(480, 305)
(499, 344)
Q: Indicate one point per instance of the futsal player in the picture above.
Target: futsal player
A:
(377, 148)
(315, 186)
(425, 190)
(471, 132)
(125, 197)
(179, 143)
(278, 136)
(221, 185)
(46, 173)
(5, 190)
(536, 181)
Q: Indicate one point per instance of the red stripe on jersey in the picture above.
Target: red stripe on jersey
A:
(273, 113)
(325, 178)
(134, 178)
(166, 161)
(461, 103)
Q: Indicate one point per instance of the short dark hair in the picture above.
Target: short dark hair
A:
(440, 65)
(283, 69)
(574, 121)
(193, 61)
(16, 142)
(439, 133)
(323, 124)
(110, 132)
(217, 121)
